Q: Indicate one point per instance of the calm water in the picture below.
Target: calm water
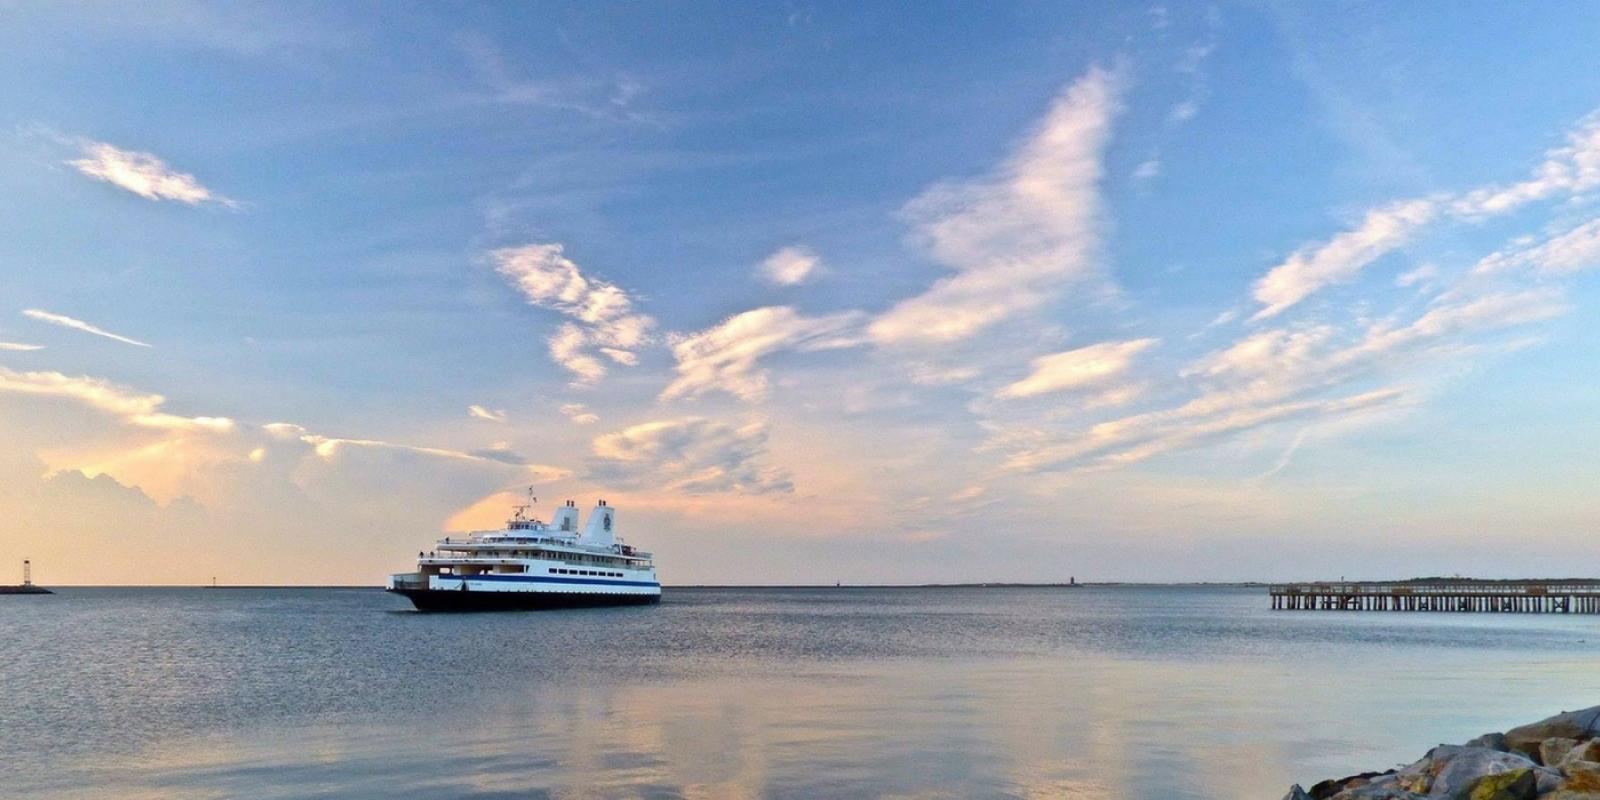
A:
(1094, 693)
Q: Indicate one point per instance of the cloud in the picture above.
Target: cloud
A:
(1339, 259)
(1275, 375)
(579, 414)
(1147, 169)
(144, 175)
(690, 455)
(1422, 276)
(1571, 168)
(143, 410)
(1573, 250)
(18, 347)
(1014, 237)
(479, 412)
(1490, 311)
(1120, 443)
(964, 494)
(727, 356)
(791, 266)
(1090, 367)
(602, 314)
(1183, 112)
(1273, 350)
(567, 349)
(78, 324)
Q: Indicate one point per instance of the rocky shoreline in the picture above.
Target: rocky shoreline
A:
(1554, 759)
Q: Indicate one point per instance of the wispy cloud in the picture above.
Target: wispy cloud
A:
(479, 412)
(1014, 237)
(79, 325)
(134, 408)
(602, 316)
(613, 98)
(1292, 373)
(791, 266)
(144, 175)
(1094, 367)
(329, 448)
(19, 347)
(1339, 259)
(579, 414)
(690, 455)
(1570, 169)
(1573, 250)
(727, 357)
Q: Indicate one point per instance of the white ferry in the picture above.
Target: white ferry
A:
(531, 565)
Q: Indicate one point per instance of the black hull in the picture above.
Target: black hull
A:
(24, 590)
(457, 600)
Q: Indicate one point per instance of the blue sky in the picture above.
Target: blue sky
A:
(811, 292)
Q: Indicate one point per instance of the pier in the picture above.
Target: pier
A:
(1492, 597)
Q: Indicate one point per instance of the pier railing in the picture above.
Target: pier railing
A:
(1560, 597)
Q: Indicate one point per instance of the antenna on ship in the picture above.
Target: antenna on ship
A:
(27, 573)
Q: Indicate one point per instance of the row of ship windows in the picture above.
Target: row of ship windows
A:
(590, 572)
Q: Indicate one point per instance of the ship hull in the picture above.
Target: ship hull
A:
(458, 600)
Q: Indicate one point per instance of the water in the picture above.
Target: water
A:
(1094, 693)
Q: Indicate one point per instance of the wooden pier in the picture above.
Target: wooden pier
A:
(1494, 597)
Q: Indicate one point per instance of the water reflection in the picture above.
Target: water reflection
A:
(732, 696)
(1036, 728)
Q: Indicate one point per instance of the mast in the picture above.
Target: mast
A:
(27, 573)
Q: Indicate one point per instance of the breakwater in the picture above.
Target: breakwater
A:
(1557, 758)
(1502, 597)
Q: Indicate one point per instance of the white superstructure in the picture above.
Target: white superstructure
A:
(533, 564)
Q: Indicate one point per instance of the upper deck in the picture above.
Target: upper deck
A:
(537, 545)
(527, 538)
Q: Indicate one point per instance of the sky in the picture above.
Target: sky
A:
(809, 292)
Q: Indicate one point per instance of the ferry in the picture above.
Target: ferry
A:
(532, 564)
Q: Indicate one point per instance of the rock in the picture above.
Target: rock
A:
(1329, 788)
(1378, 791)
(1582, 776)
(1584, 751)
(1554, 749)
(1493, 741)
(1456, 769)
(1564, 794)
(1582, 783)
(1581, 725)
(1417, 777)
(1554, 759)
(1518, 784)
